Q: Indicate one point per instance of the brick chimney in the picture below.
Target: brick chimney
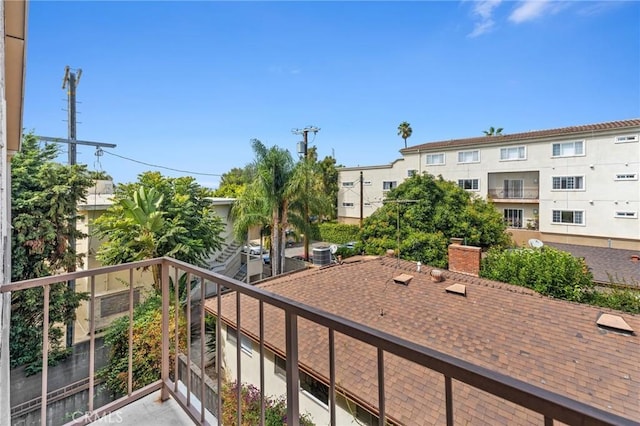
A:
(464, 259)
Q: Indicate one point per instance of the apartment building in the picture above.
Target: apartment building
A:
(575, 185)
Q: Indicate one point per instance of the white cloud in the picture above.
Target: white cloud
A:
(483, 11)
(529, 10)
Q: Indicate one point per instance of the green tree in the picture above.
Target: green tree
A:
(548, 271)
(423, 213)
(405, 131)
(308, 198)
(329, 176)
(159, 216)
(44, 199)
(266, 199)
(493, 131)
(234, 182)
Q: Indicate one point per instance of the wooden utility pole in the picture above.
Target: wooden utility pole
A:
(70, 82)
(305, 152)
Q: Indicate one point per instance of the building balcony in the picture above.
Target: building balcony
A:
(519, 196)
(186, 387)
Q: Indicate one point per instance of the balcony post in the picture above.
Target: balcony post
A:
(164, 372)
(293, 382)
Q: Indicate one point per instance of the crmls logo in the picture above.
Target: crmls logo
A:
(111, 418)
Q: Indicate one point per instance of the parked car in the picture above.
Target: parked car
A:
(253, 248)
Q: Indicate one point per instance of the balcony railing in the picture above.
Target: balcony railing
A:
(188, 392)
(515, 194)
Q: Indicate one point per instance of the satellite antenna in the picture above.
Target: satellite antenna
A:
(333, 248)
(535, 243)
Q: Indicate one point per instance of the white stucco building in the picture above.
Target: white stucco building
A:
(574, 185)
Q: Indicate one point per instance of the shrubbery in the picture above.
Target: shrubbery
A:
(147, 346)
(338, 233)
(557, 274)
(547, 270)
(275, 409)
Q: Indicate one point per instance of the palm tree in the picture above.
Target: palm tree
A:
(308, 196)
(404, 131)
(493, 132)
(266, 198)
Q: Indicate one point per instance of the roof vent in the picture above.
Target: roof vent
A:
(403, 279)
(615, 323)
(460, 289)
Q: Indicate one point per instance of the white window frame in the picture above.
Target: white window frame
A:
(562, 145)
(473, 152)
(305, 378)
(626, 176)
(245, 343)
(625, 214)
(627, 138)
(347, 184)
(520, 151)
(277, 369)
(412, 172)
(573, 212)
(393, 184)
(347, 204)
(567, 180)
(461, 184)
(431, 157)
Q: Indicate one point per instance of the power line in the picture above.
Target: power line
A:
(161, 167)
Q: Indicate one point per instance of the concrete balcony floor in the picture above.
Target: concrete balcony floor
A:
(148, 411)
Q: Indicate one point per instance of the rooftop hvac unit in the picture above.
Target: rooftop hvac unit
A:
(321, 256)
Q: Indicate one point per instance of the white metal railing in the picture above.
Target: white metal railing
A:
(550, 405)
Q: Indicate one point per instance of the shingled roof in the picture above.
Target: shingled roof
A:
(552, 344)
(525, 136)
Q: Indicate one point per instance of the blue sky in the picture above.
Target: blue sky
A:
(188, 84)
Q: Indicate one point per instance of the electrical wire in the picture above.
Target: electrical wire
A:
(161, 167)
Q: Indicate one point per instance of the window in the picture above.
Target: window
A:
(435, 159)
(365, 417)
(245, 342)
(347, 204)
(347, 184)
(317, 389)
(280, 366)
(388, 185)
(513, 188)
(513, 218)
(626, 176)
(367, 183)
(627, 139)
(627, 215)
(469, 184)
(411, 173)
(513, 153)
(572, 217)
(568, 182)
(469, 156)
(568, 149)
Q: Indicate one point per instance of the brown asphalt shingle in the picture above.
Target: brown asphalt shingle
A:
(552, 344)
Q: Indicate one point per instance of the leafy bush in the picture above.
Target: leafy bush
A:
(338, 233)
(547, 270)
(275, 409)
(621, 299)
(147, 346)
